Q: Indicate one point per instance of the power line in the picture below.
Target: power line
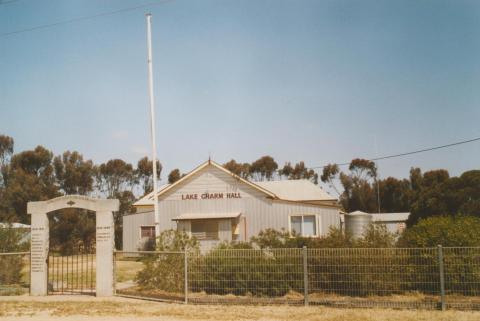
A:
(409, 153)
(7, 1)
(73, 20)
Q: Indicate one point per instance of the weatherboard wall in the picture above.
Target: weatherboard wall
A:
(259, 214)
(258, 209)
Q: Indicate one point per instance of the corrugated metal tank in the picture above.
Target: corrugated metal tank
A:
(356, 223)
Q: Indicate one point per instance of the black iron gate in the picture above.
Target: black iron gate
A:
(73, 273)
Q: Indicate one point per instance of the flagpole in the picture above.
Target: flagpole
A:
(148, 17)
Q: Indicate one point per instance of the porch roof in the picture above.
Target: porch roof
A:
(205, 216)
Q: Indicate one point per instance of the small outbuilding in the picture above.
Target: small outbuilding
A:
(394, 222)
(215, 205)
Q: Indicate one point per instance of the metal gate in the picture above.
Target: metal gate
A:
(73, 273)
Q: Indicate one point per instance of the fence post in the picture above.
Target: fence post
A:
(305, 276)
(114, 272)
(186, 275)
(442, 277)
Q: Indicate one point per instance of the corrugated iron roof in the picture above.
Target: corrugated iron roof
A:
(288, 190)
(297, 190)
(204, 216)
(381, 217)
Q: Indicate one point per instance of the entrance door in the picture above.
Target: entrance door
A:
(73, 273)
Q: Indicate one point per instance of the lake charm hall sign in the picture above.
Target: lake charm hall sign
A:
(210, 196)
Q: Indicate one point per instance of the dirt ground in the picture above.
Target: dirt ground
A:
(84, 308)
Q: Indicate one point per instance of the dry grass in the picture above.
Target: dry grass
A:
(127, 269)
(93, 309)
(79, 271)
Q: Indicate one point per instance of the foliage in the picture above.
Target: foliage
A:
(115, 176)
(299, 171)
(377, 236)
(266, 168)
(439, 194)
(274, 239)
(426, 194)
(29, 176)
(395, 195)
(148, 245)
(272, 272)
(173, 240)
(335, 238)
(72, 230)
(166, 271)
(126, 199)
(6, 151)
(11, 266)
(228, 270)
(239, 169)
(443, 230)
(36, 175)
(174, 176)
(144, 174)
(73, 174)
(263, 168)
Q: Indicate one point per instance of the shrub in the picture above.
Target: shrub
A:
(165, 271)
(11, 266)
(461, 265)
(334, 239)
(274, 239)
(258, 272)
(443, 230)
(148, 245)
(377, 236)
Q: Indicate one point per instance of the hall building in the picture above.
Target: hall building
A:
(215, 205)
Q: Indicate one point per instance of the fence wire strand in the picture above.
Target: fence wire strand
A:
(350, 277)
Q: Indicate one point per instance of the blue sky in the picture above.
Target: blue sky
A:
(320, 81)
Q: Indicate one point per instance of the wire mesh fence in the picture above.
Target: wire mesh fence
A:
(246, 276)
(374, 277)
(14, 273)
(431, 278)
(150, 275)
(462, 277)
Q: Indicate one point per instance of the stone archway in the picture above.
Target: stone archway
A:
(105, 241)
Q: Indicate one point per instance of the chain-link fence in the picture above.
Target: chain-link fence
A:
(432, 278)
(14, 273)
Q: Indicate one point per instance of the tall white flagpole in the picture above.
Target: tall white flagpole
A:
(152, 122)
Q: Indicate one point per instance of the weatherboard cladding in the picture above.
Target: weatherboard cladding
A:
(210, 180)
(258, 208)
(131, 229)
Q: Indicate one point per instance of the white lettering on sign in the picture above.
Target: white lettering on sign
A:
(210, 196)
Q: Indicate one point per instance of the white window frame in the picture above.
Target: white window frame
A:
(140, 231)
(317, 224)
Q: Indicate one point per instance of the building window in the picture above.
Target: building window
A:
(147, 232)
(304, 225)
(205, 229)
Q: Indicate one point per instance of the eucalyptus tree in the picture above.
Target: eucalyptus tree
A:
(264, 168)
(144, 173)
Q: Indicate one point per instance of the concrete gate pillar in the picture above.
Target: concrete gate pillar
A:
(39, 254)
(105, 240)
(105, 245)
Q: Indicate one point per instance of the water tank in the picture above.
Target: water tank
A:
(356, 223)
